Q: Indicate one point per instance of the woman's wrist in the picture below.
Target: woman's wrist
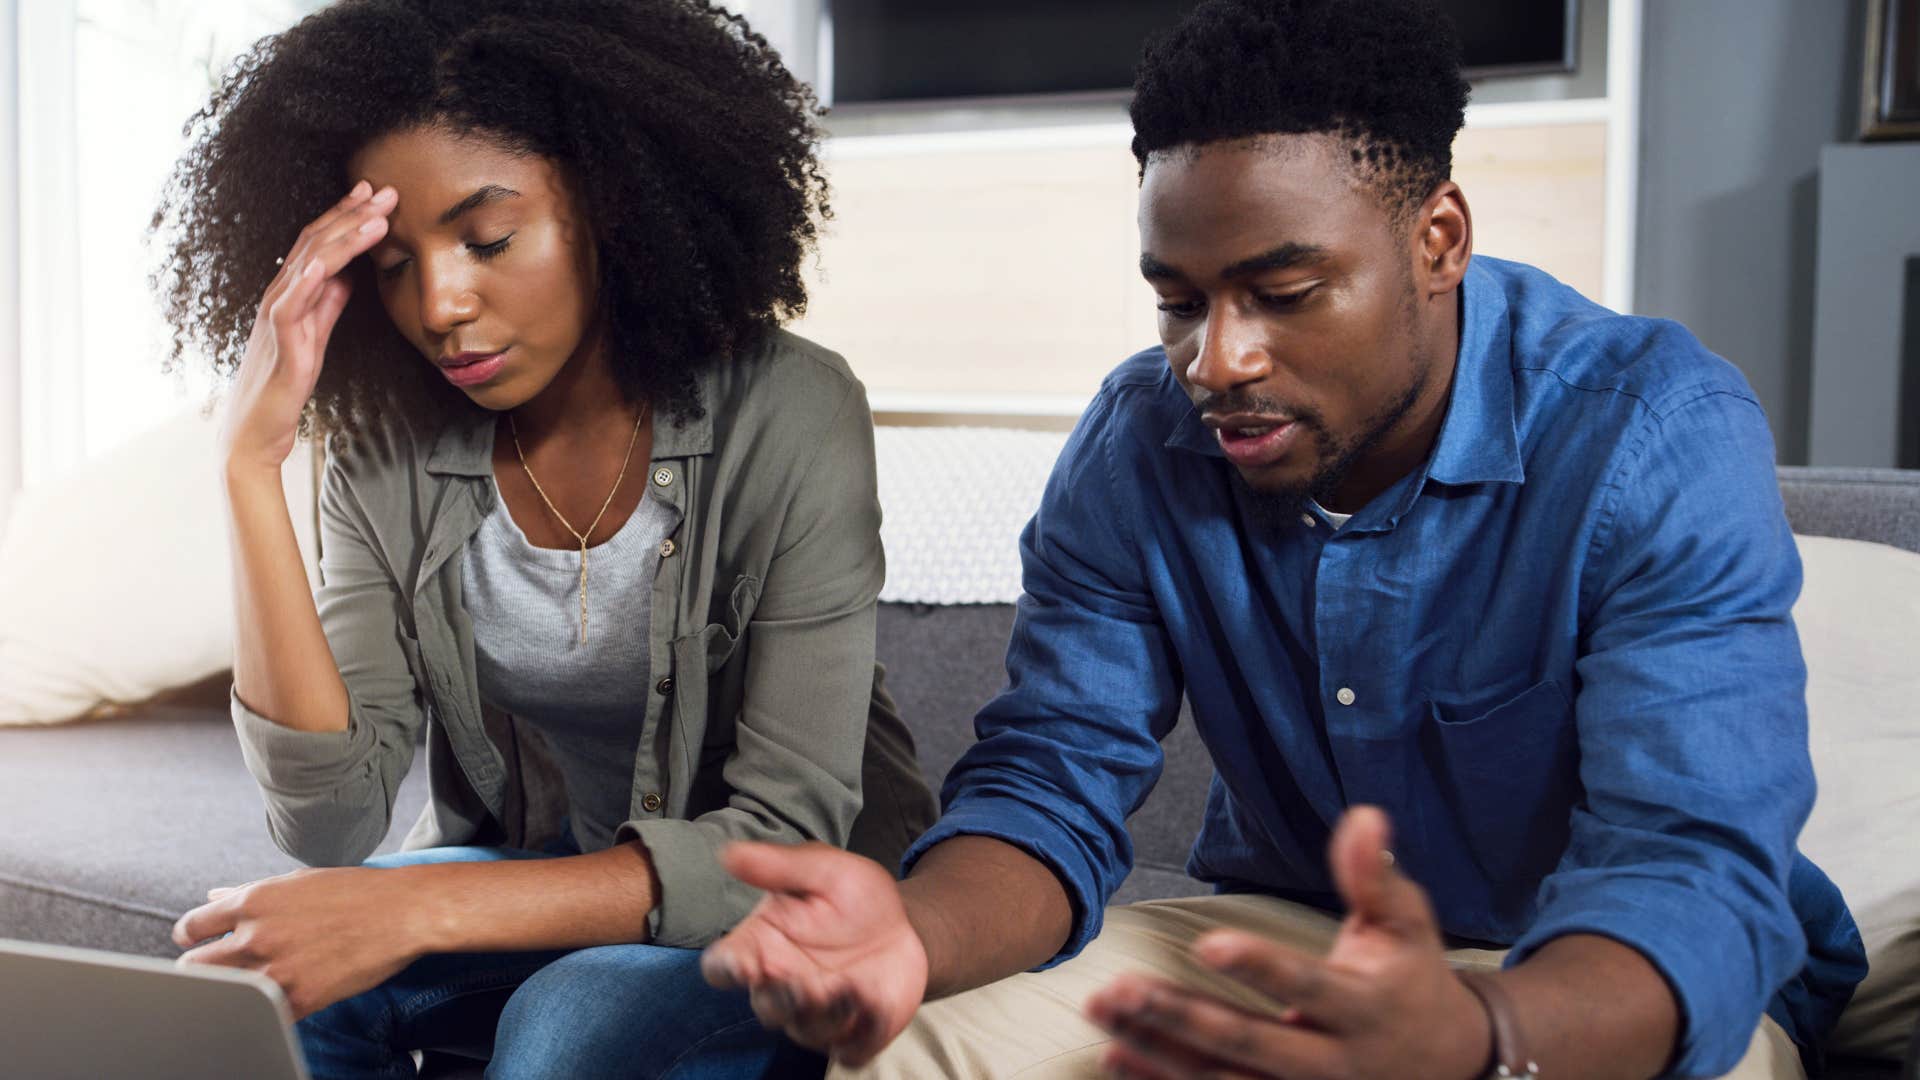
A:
(246, 476)
(436, 911)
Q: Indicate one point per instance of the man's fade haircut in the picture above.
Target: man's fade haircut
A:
(1383, 75)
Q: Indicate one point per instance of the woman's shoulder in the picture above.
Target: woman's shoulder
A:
(787, 385)
(390, 452)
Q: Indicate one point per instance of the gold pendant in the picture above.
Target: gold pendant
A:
(583, 594)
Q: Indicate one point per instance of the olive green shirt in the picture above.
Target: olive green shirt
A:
(768, 719)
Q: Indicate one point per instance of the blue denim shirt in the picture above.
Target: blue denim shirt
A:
(1560, 655)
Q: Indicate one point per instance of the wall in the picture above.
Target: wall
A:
(1869, 234)
(1737, 99)
(981, 263)
(995, 273)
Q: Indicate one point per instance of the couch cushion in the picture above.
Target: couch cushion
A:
(1859, 622)
(116, 827)
(1881, 505)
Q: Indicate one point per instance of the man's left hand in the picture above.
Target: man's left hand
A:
(323, 935)
(1382, 1002)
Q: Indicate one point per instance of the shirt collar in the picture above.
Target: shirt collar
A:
(1478, 442)
(464, 446)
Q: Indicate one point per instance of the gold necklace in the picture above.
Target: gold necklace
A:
(514, 430)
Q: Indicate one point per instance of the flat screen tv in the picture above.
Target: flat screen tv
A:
(929, 50)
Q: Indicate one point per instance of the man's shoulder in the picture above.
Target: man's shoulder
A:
(1570, 355)
(1138, 401)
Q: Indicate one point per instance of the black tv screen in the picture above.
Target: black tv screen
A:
(919, 50)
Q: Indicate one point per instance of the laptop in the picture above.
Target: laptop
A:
(90, 1015)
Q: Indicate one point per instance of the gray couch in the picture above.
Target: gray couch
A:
(114, 827)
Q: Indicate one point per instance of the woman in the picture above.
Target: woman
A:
(588, 518)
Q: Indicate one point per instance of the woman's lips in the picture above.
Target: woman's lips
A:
(1257, 446)
(472, 370)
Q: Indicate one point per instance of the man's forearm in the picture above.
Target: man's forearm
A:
(984, 909)
(524, 904)
(1594, 1009)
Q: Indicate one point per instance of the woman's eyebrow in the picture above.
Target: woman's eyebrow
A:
(488, 194)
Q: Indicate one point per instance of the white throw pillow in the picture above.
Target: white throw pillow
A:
(1859, 619)
(953, 501)
(114, 580)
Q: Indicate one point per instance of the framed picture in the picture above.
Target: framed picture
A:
(1890, 103)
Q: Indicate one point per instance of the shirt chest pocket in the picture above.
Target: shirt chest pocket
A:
(1510, 776)
(705, 701)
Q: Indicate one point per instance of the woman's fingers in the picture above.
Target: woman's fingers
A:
(352, 234)
(334, 239)
(291, 262)
(210, 920)
(327, 223)
(334, 294)
(350, 237)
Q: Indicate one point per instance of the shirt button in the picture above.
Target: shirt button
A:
(1344, 696)
(1308, 520)
(666, 549)
(665, 685)
(650, 802)
(663, 476)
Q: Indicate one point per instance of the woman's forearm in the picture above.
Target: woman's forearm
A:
(566, 903)
(282, 666)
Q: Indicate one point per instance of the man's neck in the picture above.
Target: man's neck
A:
(1409, 443)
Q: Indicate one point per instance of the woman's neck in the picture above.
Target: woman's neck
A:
(583, 404)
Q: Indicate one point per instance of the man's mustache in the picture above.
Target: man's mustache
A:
(1235, 403)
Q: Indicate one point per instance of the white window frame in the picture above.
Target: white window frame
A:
(52, 419)
(12, 410)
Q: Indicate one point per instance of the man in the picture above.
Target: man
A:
(1422, 538)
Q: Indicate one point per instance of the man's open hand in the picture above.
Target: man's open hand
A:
(828, 954)
(1382, 1003)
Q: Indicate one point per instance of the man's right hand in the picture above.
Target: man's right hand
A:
(829, 954)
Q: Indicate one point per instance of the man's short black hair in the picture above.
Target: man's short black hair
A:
(1382, 74)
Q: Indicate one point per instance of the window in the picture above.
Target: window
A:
(106, 86)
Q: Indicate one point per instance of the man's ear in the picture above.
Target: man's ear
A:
(1443, 233)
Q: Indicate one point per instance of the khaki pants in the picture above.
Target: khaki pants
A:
(1031, 1025)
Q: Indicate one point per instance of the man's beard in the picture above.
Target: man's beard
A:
(1275, 508)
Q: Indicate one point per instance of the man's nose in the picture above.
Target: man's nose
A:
(1232, 354)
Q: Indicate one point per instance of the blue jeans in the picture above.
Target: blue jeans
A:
(612, 1011)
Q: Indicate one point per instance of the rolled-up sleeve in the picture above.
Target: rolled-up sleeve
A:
(1071, 746)
(794, 771)
(329, 795)
(1692, 728)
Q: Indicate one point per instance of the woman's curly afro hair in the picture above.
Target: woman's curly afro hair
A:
(1382, 74)
(689, 145)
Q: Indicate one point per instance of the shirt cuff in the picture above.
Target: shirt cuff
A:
(1706, 952)
(1014, 822)
(296, 764)
(699, 901)
(321, 791)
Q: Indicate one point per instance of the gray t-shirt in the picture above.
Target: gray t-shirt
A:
(589, 700)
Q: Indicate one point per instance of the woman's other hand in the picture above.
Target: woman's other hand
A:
(322, 935)
(290, 333)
